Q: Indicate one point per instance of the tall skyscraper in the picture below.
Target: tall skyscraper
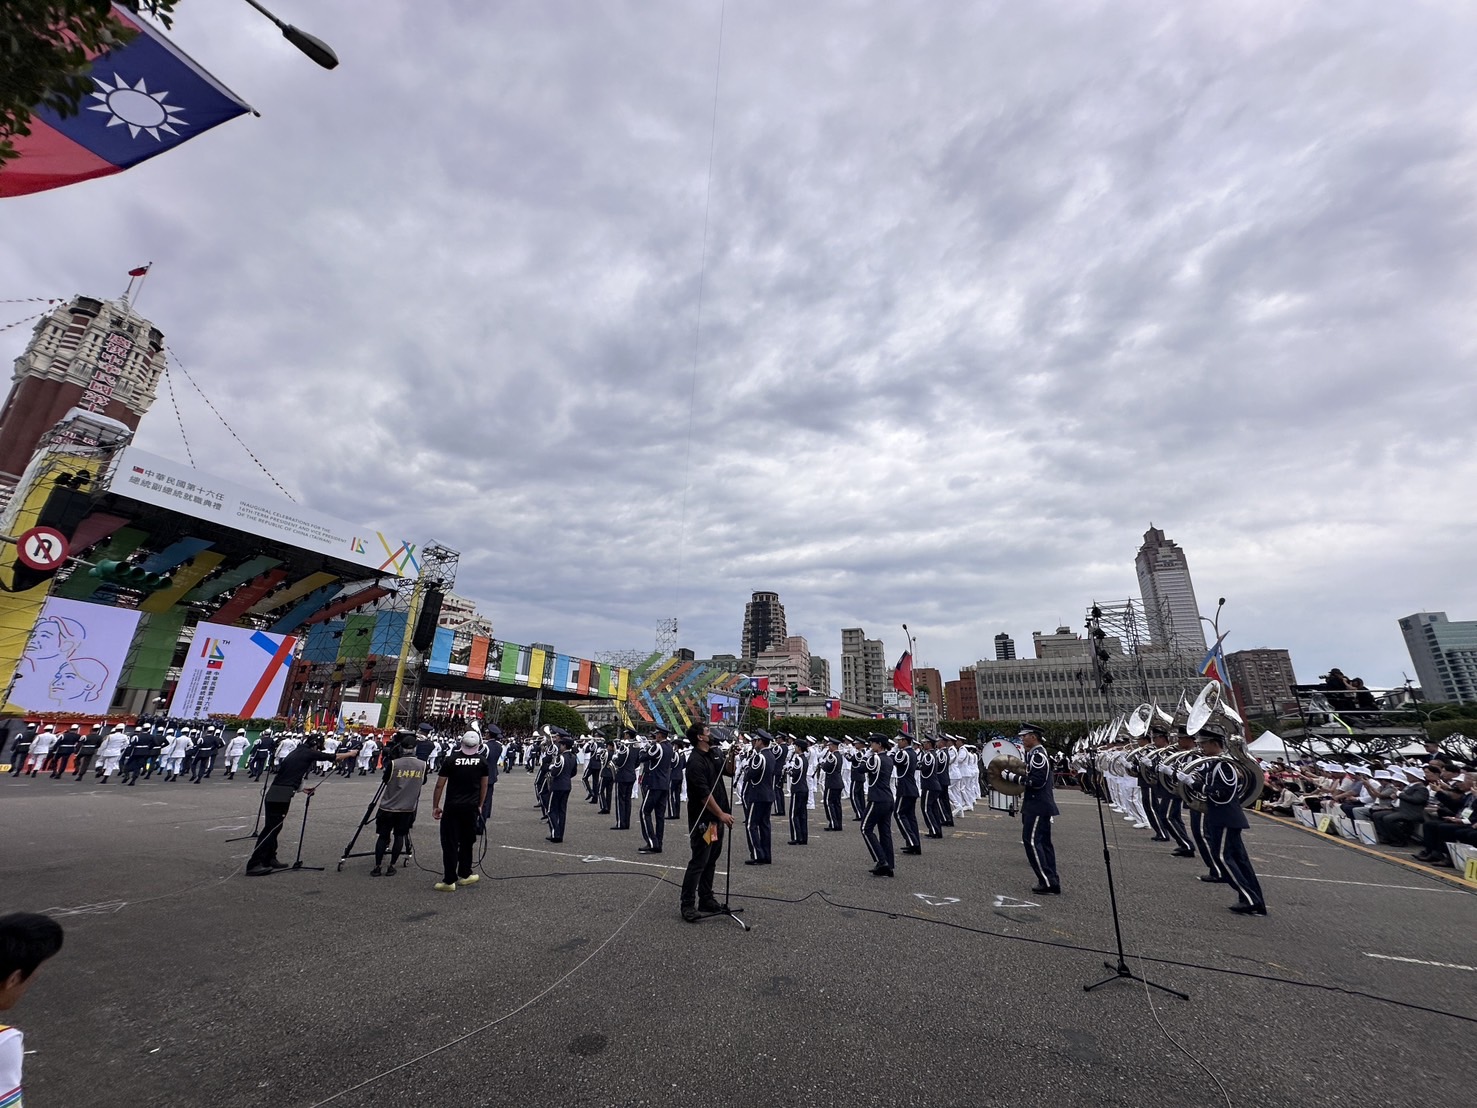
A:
(1004, 647)
(1169, 596)
(1444, 653)
(97, 355)
(865, 677)
(764, 624)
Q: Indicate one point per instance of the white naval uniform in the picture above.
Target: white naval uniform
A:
(40, 747)
(110, 751)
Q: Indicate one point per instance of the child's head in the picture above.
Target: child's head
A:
(26, 940)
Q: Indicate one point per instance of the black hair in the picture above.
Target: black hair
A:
(27, 940)
(694, 729)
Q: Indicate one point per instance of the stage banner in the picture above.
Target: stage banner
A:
(232, 671)
(73, 657)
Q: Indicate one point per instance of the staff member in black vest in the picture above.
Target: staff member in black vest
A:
(830, 773)
(905, 764)
(877, 823)
(562, 767)
(1038, 805)
(707, 815)
(463, 785)
(759, 783)
(657, 759)
(278, 799)
(624, 767)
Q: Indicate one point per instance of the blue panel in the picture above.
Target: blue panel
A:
(389, 634)
(323, 640)
(561, 670)
(175, 553)
(441, 651)
(304, 608)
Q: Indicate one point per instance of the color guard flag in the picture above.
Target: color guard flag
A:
(140, 271)
(902, 673)
(1213, 665)
(833, 709)
(148, 97)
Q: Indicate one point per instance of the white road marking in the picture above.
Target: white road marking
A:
(106, 907)
(227, 827)
(596, 858)
(1366, 884)
(937, 901)
(1419, 962)
(1003, 901)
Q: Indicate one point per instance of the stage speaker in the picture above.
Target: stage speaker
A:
(425, 624)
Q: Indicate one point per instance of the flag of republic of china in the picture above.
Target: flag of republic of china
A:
(148, 97)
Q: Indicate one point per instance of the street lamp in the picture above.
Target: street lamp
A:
(310, 45)
(913, 692)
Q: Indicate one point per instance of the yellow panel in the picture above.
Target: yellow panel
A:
(623, 689)
(535, 667)
(185, 579)
(296, 591)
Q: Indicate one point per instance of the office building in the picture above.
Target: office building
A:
(764, 624)
(1004, 647)
(961, 697)
(865, 675)
(1262, 680)
(820, 676)
(1170, 609)
(1444, 653)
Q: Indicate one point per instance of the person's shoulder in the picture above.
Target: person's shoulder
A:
(12, 1054)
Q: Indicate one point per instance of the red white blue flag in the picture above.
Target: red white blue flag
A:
(1213, 665)
(833, 709)
(148, 97)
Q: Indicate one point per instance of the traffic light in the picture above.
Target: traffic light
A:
(129, 576)
(794, 691)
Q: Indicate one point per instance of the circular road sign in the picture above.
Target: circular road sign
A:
(42, 548)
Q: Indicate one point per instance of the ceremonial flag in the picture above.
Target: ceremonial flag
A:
(148, 97)
(833, 709)
(902, 673)
(140, 271)
(759, 686)
(715, 712)
(1213, 665)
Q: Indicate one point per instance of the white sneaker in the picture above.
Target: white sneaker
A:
(469, 880)
(443, 887)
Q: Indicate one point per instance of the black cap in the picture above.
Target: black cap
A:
(803, 744)
(663, 729)
(878, 737)
(1029, 729)
(763, 734)
(491, 731)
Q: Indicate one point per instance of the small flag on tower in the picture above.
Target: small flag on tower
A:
(140, 271)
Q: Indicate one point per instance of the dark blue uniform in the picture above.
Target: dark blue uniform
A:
(759, 786)
(562, 767)
(830, 767)
(781, 754)
(674, 795)
(877, 822)
(905, 762)
(797, 772)
(1037, 807)
(607, 778)
(1224, 821)
(624, 767)
(934, 769)
(493, 749)
(858, 786)
(657, 762)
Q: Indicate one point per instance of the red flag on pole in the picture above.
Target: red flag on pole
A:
(715, 712)
(902, 673)
(833, 709)
(140, 271)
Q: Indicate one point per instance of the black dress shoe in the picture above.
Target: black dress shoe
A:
(1042, 889)
(710, 906)
(259, 871)
(274, 864)
(690, 914)
(648, 850)
(882, 871)
(1249, 909)
(1160, 839)
(792, 842)
(911, 850)
(1209, 880)
(752, 862)
(1182, 853)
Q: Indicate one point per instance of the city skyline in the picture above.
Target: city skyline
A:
(1064, 307)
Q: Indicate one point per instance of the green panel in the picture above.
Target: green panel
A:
(357, 637)
(509, 673)
(82, 584)
(252, 567)
(153, 650)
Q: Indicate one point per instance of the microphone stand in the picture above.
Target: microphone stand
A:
(298, 863)
(1121, 972)
(726, 909)
(256, 827)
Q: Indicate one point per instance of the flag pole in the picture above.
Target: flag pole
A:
(912, 693)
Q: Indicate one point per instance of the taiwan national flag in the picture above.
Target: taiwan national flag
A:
(759, 686)
(715, 712)
(148, 97)
(902, 673)
(833, 709)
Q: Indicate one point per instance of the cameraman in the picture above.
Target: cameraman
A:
(401, 795)
(278, 799)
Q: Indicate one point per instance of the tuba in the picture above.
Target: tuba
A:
(1210, 703)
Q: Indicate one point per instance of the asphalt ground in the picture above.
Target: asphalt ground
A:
(569, 978)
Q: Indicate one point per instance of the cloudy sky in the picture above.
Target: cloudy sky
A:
(989, 288)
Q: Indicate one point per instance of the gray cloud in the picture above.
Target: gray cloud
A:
(989, 288)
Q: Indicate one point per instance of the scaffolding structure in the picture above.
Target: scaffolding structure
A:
(1130, 668)
(666, 637)
(438, 566)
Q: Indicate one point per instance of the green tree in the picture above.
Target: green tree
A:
(518, 716)
(44, 50)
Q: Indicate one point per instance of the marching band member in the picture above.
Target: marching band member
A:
(1038, 805)
(877, 823)
(41, 749)
(109, 754)
(829, 769)
(366, 755)
(562, 768)
(857, 782)
(623, 766)
(234, 750)
(679, 775)
(797, 772)
(656, 759)
(933, 766)
(1221, 782)
(905, 766)
(759, 781)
